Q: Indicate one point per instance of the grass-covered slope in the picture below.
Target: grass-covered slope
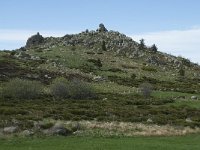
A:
(112, 66)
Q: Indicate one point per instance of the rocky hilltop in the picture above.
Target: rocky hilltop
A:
(114, 41)
(100, 75)
(94, 53)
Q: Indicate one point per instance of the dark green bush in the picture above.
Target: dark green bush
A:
(133, 76)
(149, 68)
(47, 125)
(23, 89)
(96, 62)
(88, 67)
(115, 70)
(103, 46)
(142, 44)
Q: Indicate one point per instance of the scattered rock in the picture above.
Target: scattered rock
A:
(22, 55)
(47, 76)
(27, 133)
(10, 130)
(105, 99)
(149, 120)
(98, 79)
(194, 97)
(59, 129)
(188, 120)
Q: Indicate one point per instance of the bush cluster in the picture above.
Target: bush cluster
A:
(23, 89)
(75, 89)
(60, 88)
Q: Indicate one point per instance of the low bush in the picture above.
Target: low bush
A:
(146, 89)
(75, 89)
(149, 68)
(95, 62)
(59, 88)
(81, 90)
(23, 89)
(115, 70)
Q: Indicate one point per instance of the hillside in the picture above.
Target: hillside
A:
(115, 67)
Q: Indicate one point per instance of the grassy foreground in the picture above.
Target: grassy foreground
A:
(190, 142)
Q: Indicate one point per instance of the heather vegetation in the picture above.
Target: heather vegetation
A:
(102, 82)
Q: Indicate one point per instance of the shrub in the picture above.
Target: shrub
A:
(149, 68)
(142, 44)
(115, 70)
(146, 89)
(75, 89)
(181, 72)
(154, 48)
(80, 90)
(133, 76)
(96, 62)
(59, 88)
(88, 67)
(23, 89)
(103, 46)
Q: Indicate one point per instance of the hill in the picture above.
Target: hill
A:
(119, 71)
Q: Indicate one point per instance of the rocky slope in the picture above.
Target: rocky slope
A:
(119, 58)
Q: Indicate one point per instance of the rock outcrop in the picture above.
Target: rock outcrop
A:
(34, 40)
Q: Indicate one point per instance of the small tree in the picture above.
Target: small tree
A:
(99, 64)
(146, 89)
(154, 48)
(181, 72)
(142, 44)
(103, 46)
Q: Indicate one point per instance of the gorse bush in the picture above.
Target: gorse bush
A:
(23, 89)
(75, 89)
(59, 88)
(81, 90)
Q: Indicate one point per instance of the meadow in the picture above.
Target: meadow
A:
(190, 142)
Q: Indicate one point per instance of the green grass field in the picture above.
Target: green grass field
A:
(190, 142)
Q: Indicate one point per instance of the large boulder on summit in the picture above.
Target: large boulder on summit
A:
(34, 40)
(102, 28)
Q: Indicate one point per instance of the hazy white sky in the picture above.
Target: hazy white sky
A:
(184, 43)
